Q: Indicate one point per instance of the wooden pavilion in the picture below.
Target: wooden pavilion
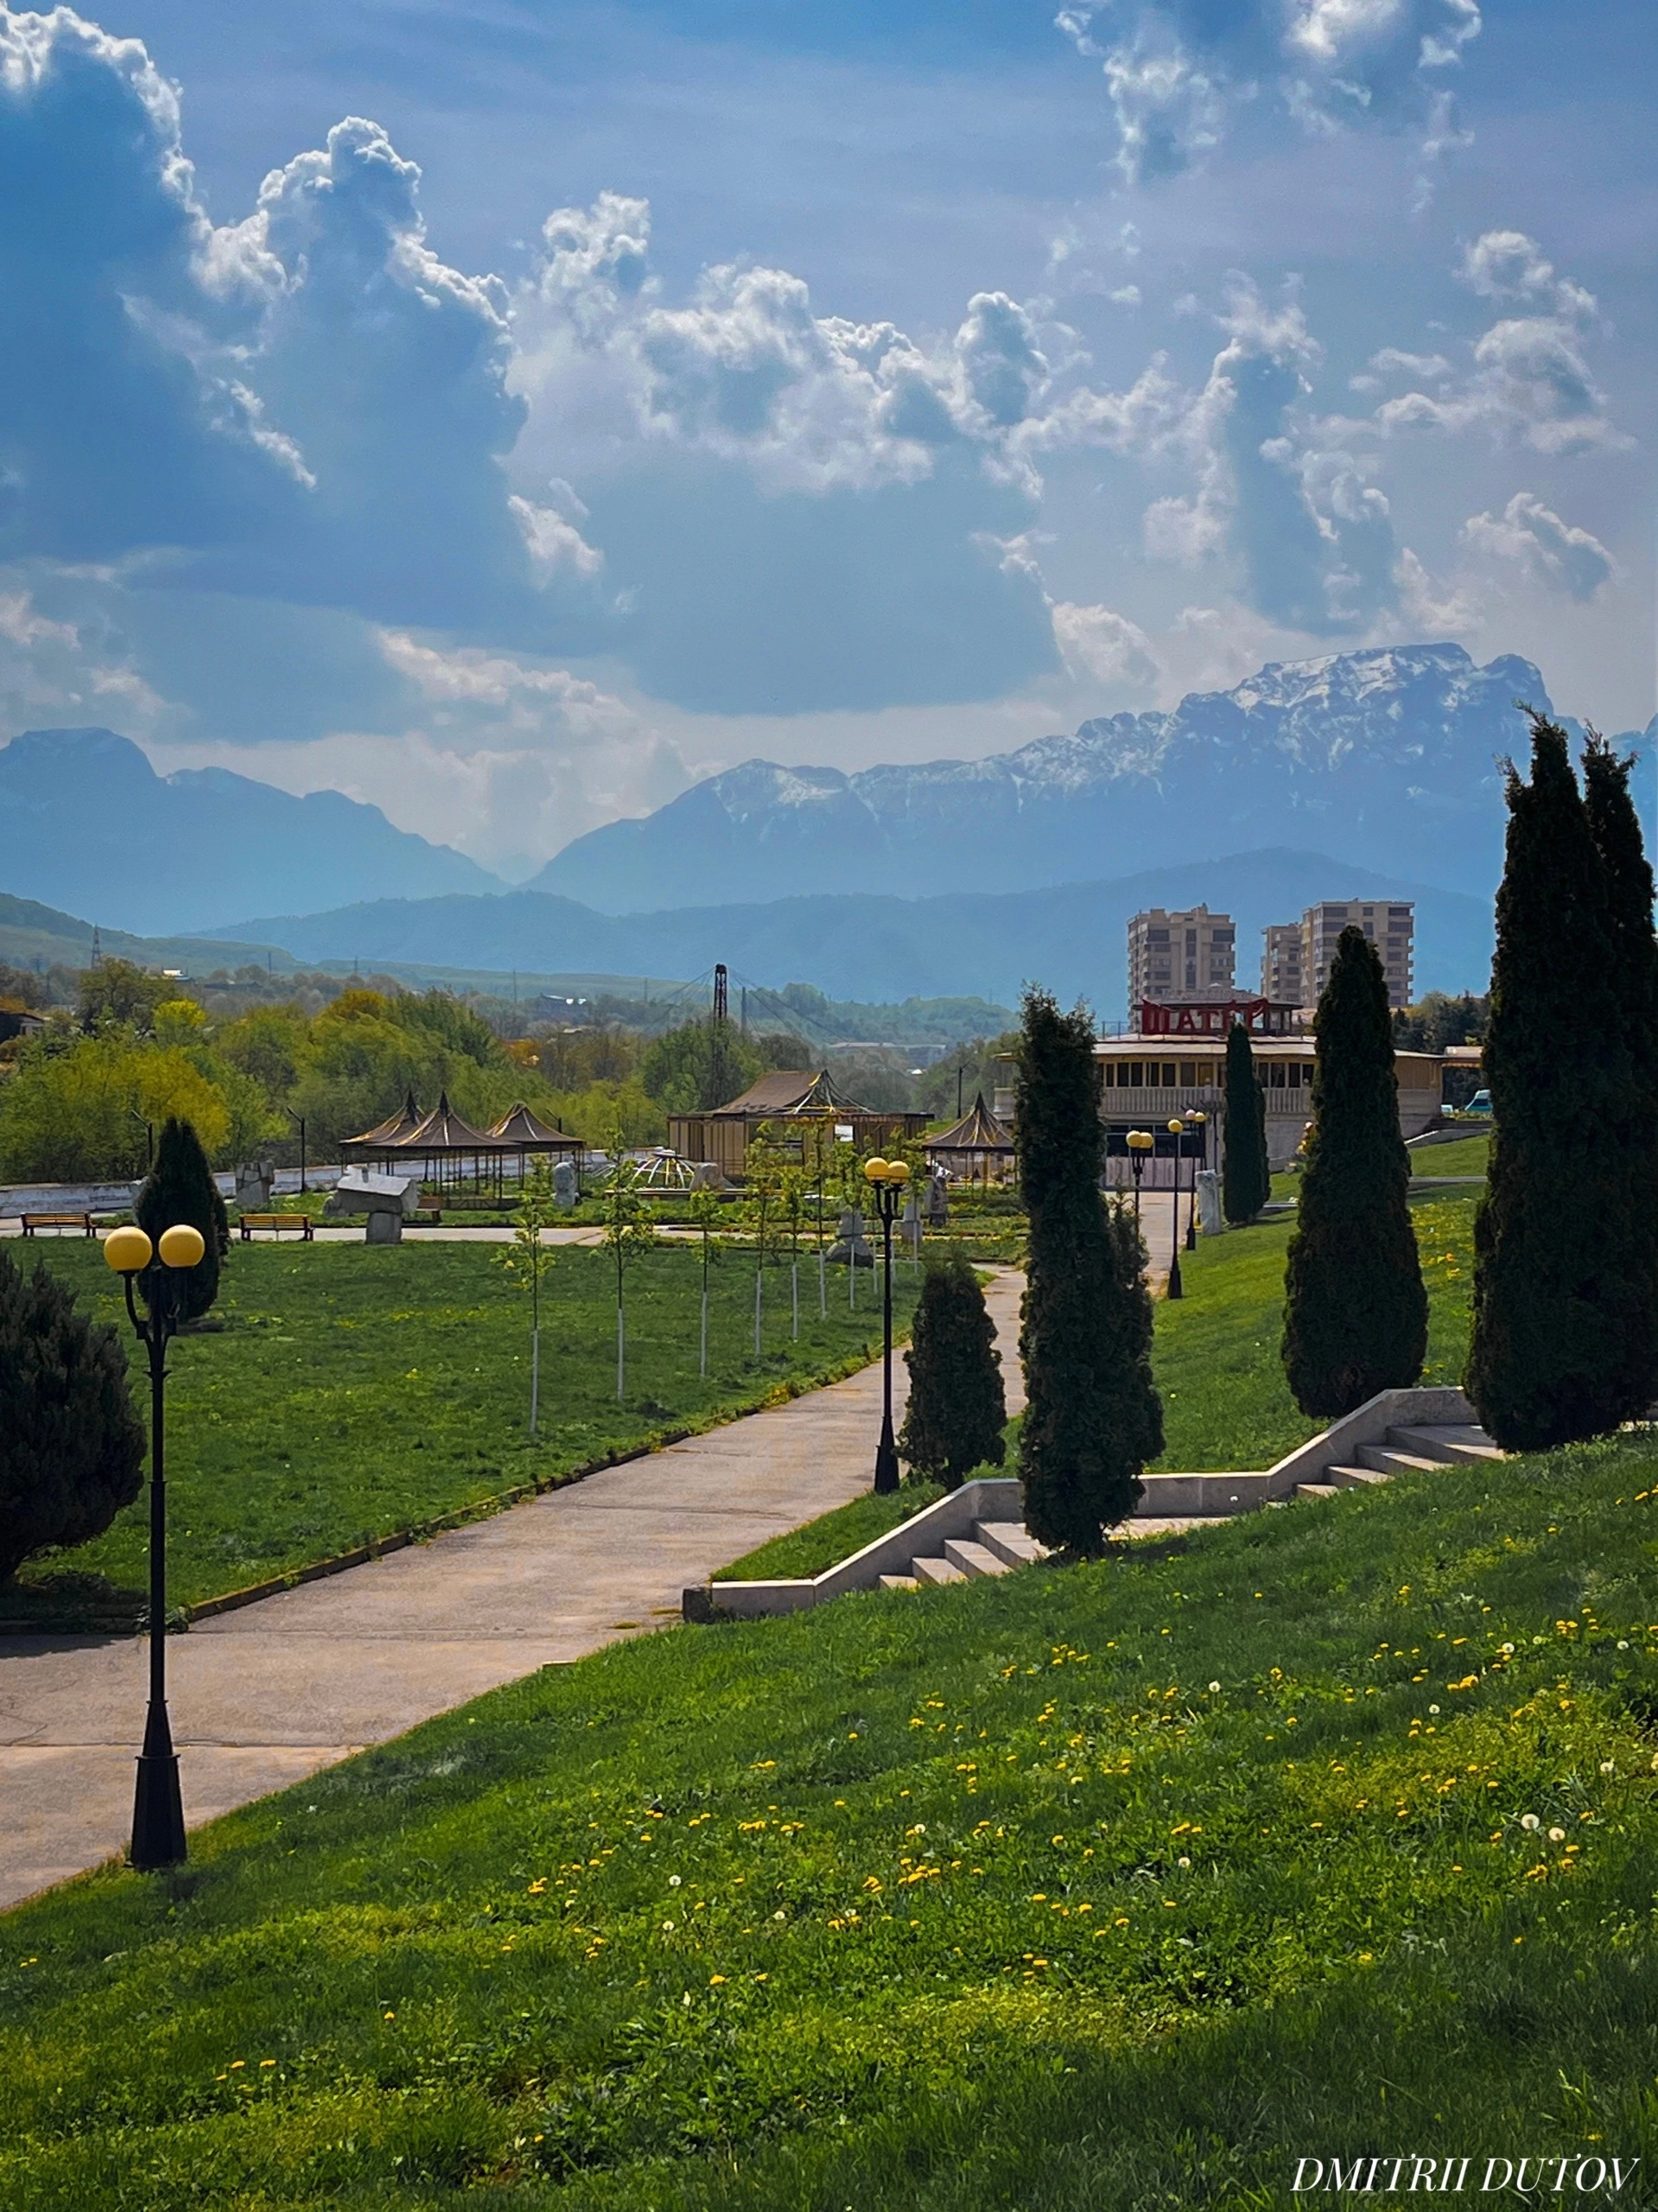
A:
(787, 1096)
(977, 1149)
(524, 1133)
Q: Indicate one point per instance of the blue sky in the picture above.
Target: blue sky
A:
(507, 412)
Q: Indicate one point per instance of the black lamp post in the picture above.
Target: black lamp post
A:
(887, 1179)
(1177, 1288)
(300, 1120)
(157, 1809)
(1140, 1145)
(1194, 1119)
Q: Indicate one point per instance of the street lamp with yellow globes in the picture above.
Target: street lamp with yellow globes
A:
(1198, 1124)
(157, 1809)
(887, 1179)
(1176, 1288)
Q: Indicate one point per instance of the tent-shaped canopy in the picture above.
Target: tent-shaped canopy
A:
(392, 1131)
(522, 1131)
(723, 1135)
(976, 1141)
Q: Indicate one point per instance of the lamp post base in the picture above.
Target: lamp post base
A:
(886, 1471)
(157, 1807)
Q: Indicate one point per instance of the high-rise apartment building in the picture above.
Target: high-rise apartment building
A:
(1296, 957)
(1189, 955)
(1281, 973)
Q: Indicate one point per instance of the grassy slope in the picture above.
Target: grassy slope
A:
(1116, 1887)
(359, 1390)
(833, 1537)
(1468, 1156)
(1225, 1402)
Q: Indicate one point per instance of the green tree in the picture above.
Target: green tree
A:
(704, 1211)
(1246, 1174)
(698, 1066)
(78, 1111)
(1615, 829)
(528, 1258)
(116, 994)
(1093, 1418)
(1562, 1345)
(72, 1448)
(958, 1408)
(179, 1187)
(625, 1216)
(1355, 1309)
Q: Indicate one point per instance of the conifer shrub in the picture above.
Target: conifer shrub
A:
(1093, 1419)
(1246, 1175)
(1615, 829)
(72, 1448)
(1561, 1342)
(1355, 1305)
(179, 1187)
(957, 1408)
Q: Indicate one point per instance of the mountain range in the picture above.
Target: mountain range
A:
(87, 824)
(1390, 758)
(869, 945)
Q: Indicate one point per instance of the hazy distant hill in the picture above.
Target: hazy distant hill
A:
(87, 824)
(1070, 936)
(1388, 758)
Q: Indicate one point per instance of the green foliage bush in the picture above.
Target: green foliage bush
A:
(957, 1408)
(1093, 1417)
(71, 1446)
(1245, 1178)
(1563, 1345)
(1355, 1309)
(180, 1188)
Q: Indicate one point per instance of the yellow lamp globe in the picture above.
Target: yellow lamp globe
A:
(898, 1170)
(127, 1251)
(181, 1246)
(875, 1170)
(1179, 1127)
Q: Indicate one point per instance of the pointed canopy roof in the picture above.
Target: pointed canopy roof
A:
(523, 1131)
(394, 1130)
(443, 1130)
(790, 1090)
(978, 1130)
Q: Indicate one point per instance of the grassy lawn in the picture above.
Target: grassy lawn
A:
(1467, 1156)
(359, 1391)
(823, 1543)
(1119, 1887)
(1225, 1402)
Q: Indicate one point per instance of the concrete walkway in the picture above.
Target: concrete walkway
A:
(264, 1697)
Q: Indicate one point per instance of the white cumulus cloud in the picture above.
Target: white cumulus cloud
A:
(1553, 553)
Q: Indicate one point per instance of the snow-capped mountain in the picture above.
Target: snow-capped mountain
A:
(1389, 759)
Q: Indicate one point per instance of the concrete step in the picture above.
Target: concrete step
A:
(898, 1582)
(1352, 1478)
(1451, 1442)
(973, 1558)
(1009, 1541)
(936, 1570)
(1387, 1461)
(1316, 1490)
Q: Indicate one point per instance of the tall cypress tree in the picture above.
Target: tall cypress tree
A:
(1562, 1345)
(957, 1408)
(1355, 1309)
(1615, 829)
(1093, 1417)
(179, 1187)
(1246, 1173)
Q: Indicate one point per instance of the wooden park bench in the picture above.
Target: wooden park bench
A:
(80, 1220)
(278, 1222)
(424, 1218)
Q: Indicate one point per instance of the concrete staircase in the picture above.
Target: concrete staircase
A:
(976, 1531)
(994, 1546)
(1406, 1448)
